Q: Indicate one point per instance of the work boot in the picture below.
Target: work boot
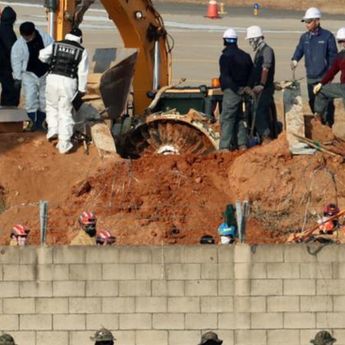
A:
(64, 146)
(41, 121)
(32, 125)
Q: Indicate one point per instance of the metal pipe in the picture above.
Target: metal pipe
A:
(51, 28)
(156, 66)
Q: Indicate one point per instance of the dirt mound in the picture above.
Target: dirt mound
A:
(164, 199)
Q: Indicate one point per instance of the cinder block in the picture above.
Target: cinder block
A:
(167, 288)
(168, 321)
(242, 287)
(217, 304)
(226, 287)
(242, 253)
(249, 270)
(19, 272)
(24, 337)
(283, 270)
(52, 272)
(118, 305)
(96, 321)
(136, 321)
(9, 322)
(35, 322)
(102, 255)
(184, 305)
(35, 289)
(67, 322)
(166, 254)
(151, 337)
(135, 288)
(182, 271)
(318, 303)
(85, 272)
(268, 253)
(88, 305)
(339, 271)
(9, 255)
(201, 321)
(201, 288)
(211, 271)
(250, 304)
(316, 270)
(298, 287)
(226, 254)
(334, 320)
(81, 337)
(69, 289)
(137, 255)
(227, 336)
(339, 334)
(226, 271)
(266, 320)
(36, 255)
(19, 306)
(297, 253)
(282, 337)
(118, 271)
(328, 254)
(299, 320)
(307, 334)
(282, 303)
(9, 289)
(51, 338)
(149, 271)
(151, 304)
(181, 337)
(69, 254)
(51, 305)
(250, 337)
(339, 303)
(234, 321)
(267, 287)
(199, 254)
(330, 287)
(102, 288)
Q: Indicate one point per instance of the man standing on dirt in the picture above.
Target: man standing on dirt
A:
(10, 94)
(29, 71)
(67, 77)
(262, 81)
(319, 49)
(235, 68)
(325, 90)
(87, 233)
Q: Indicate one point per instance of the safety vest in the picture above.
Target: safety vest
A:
(66, 57)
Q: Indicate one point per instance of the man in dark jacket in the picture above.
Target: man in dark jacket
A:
(325, 90)
(319, 49)
(10, 94)
(235, 69)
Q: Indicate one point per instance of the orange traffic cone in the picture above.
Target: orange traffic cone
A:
(212, 10)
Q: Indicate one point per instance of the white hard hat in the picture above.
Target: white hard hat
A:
(341, 34)
(254, 32)
(230, 33)
(312, 13)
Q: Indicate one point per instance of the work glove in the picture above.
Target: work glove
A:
(17, 83)
(317, 88)
(258, 89)
(293, 64)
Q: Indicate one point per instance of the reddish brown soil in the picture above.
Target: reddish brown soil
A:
(163, 200)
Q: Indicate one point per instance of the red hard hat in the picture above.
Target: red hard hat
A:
(105, 236)
(20, 230)
(87, 218)
(331, 210)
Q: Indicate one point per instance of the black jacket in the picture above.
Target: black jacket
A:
(235, 68)
(7, 37)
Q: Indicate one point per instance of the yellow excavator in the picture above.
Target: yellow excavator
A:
(162, 121)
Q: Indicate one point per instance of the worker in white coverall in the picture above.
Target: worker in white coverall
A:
(66, 78)
(29, 71)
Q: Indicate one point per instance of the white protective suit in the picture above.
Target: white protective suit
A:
(60, 92)
(33, 86)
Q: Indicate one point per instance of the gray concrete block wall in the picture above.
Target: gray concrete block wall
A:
(265, 295)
